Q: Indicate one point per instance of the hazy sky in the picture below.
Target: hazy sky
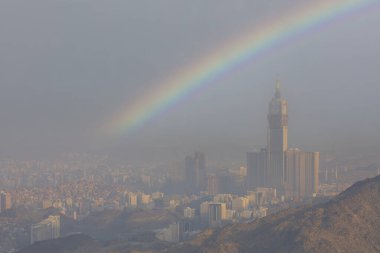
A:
(67, 65)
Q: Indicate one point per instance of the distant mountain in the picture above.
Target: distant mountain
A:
(349, 223)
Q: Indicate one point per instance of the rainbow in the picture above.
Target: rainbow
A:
(227, 57)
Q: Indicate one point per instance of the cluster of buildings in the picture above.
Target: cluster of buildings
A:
(227, 208)
(198, 179)
(293, 172)
(218, 211)
(273, 174)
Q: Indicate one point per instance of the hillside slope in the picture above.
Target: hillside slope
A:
(348, 223)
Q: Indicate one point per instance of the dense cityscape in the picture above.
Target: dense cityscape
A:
(38, 198)
(181, 126)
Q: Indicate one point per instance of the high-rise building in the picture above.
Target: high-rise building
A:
(277, 139)
(200, 163)
(47, 229)
(292, 172)
(195, 172)
(216, 213)
(131, 199)
(212, 184)
(5, 201)
(190, 174)
(301, 173)
(203, 210)
(256, 169)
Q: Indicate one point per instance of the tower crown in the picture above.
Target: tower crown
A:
(278, 91)
(278, 105)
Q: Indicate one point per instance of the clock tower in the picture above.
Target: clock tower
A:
(277, 138)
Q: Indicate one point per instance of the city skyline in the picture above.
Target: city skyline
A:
(189, 126)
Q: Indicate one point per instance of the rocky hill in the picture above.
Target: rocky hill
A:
(348, 223)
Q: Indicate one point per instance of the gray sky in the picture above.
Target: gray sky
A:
(67, 65)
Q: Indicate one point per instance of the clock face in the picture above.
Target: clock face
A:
(275, 108)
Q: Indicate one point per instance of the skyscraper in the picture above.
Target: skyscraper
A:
(212, 184)
(200, 163)
(292, 172)
(277, 138)
(301, 173)
(195, 172)
(256, 169)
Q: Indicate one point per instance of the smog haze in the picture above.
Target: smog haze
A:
(67, 67)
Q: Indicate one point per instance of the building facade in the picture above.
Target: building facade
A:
(301, 173)
(216, 214)
(212, 184)
(256, 169)
(5, 201)
(195, 173)
(47, 229)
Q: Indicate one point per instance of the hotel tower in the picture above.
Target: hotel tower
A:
(277, 139)
(294, 173)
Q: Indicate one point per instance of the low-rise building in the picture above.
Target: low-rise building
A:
(47, 229)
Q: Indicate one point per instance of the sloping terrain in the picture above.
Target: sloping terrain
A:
(348, 223)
